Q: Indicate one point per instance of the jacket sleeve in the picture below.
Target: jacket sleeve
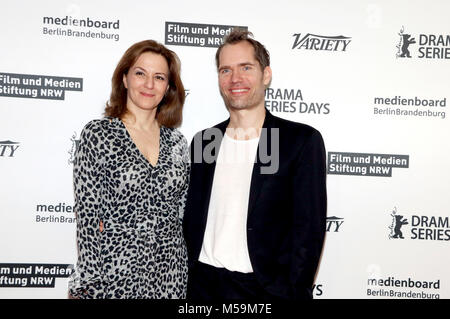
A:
(87, 281)
(310, 206)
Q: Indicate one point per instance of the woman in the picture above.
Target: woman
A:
(130, 181)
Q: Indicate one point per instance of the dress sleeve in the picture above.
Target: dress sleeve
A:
(187, 170)
(87, 280)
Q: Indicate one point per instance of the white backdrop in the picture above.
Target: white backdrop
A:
(336, 65)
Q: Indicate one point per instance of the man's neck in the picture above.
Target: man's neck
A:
(247, 123)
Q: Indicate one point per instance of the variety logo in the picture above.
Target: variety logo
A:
(365, 164)
(8, 148)
(320, 43)
(334, 223)
(69, 26)
(292, 101)
(429, 46)
(38, 86)
(197, 35)
(33, 275)
(419, 227)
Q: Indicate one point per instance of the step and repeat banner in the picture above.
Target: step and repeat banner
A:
(371, 76)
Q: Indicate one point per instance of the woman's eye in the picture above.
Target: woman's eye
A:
(140, 73)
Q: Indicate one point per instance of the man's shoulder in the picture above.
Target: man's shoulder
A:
(292, 127)
(221, 126)
(216, 129)
(285, 126)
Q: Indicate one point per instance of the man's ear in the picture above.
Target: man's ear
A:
(267, 76)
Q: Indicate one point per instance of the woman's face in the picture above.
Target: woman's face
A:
(147, 81)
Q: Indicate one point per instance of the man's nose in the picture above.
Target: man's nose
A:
(236, 76)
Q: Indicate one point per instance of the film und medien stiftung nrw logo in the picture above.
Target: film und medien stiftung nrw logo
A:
(422, 46)
(32, 275)
(8, 148)
(197, 35)
(72, 27)
(286, 100)
(38, 86)
(316, 42)
(418, 227)
(365, 164)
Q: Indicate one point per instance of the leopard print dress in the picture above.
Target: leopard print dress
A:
(141, 252)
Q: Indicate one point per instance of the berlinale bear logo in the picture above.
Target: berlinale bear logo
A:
(397, 222)
(74, 148)
(403, 46)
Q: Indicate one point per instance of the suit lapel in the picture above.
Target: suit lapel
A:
(257, 178)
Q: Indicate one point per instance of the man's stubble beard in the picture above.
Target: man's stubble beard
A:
(249, 103)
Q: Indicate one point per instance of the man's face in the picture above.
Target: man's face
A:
(241, 80)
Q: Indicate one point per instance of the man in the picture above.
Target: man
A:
(254, 223)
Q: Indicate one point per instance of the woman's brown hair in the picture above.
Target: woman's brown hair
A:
(170, 109)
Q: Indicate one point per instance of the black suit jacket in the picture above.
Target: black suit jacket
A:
(287, 209)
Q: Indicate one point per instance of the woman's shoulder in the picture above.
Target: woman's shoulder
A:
(100, 125)
(175, 135)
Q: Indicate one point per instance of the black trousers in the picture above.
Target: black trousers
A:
(209, 283)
